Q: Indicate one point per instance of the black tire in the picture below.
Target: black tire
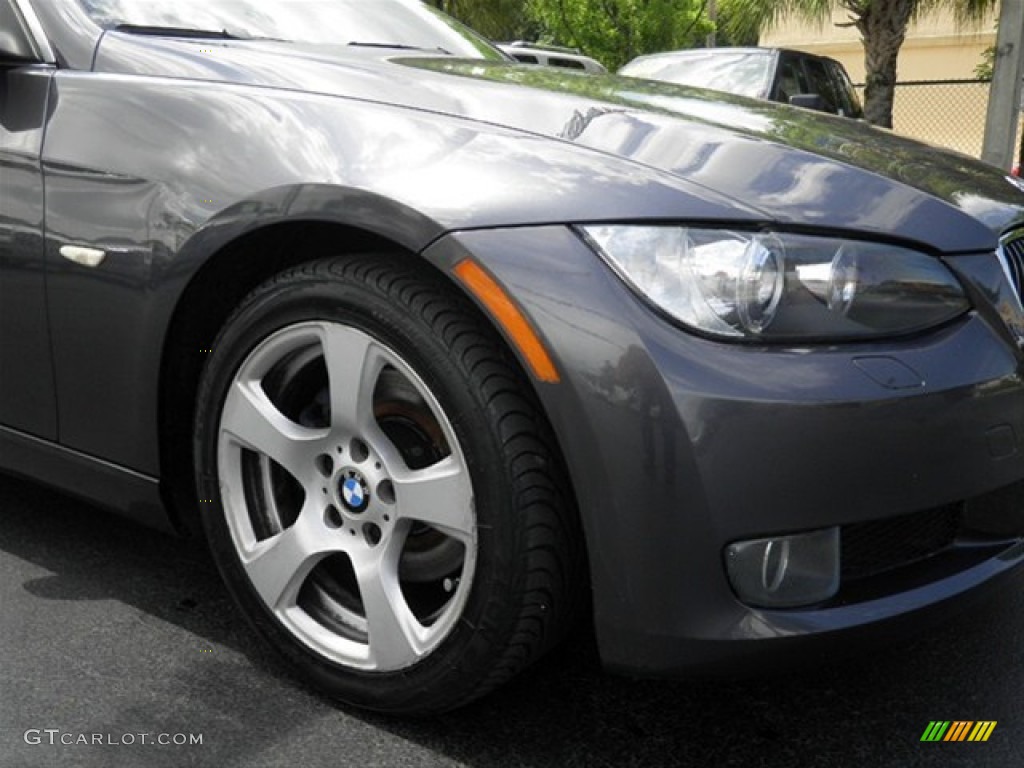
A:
(515, 538)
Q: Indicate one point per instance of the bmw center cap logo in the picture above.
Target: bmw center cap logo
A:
(354, 493)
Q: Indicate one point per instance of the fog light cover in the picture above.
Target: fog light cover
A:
(786, 571)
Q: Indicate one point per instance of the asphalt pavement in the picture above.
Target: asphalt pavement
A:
(119, 648)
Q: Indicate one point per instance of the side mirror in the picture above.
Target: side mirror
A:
(809, 101)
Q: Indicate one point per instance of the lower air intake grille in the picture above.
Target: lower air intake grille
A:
(881, 545)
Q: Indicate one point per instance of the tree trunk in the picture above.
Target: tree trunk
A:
(883, 27)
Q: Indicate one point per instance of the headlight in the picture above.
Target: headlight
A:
(779, 286)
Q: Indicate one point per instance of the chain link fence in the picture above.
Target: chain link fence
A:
(950, 113)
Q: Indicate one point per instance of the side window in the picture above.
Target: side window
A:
(554, 61)
(821, 84)
(849, 103)
(792, 81)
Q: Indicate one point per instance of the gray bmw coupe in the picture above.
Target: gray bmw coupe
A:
(443, 353)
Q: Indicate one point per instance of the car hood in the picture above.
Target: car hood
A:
(792, 166)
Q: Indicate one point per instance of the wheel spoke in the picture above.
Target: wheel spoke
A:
(394, 633)
(279, 566)
(383, 416)
(353, 365)
(441, 496)
(253, 420)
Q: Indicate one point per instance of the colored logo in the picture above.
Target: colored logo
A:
(354, 493)
(959, 730)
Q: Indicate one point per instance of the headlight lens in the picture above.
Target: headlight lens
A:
(770, 286)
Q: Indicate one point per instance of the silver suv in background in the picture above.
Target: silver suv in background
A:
(551, 56)
(777, 74)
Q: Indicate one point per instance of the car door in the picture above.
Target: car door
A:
(27, 401)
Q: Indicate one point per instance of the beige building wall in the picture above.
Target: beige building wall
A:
(936, 48)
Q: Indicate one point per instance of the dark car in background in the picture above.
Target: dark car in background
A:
(442, 353)
(777, 74)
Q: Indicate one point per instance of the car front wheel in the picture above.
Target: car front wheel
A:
(379, 487)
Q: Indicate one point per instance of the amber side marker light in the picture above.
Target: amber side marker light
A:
(504, 310)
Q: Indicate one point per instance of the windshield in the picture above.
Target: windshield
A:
(385, 23)
(744, 73)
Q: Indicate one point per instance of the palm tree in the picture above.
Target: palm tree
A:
(882, 25)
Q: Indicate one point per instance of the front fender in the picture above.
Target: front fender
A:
(358, 209)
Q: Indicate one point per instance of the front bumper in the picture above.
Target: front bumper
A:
(678, 446)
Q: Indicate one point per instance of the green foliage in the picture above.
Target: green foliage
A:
(986, 67)
(750, 18)
(497, 19)
(985, 70)
(729, 34)
(615, 31)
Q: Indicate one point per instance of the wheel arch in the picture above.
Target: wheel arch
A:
(229, 257)
(237, 251)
